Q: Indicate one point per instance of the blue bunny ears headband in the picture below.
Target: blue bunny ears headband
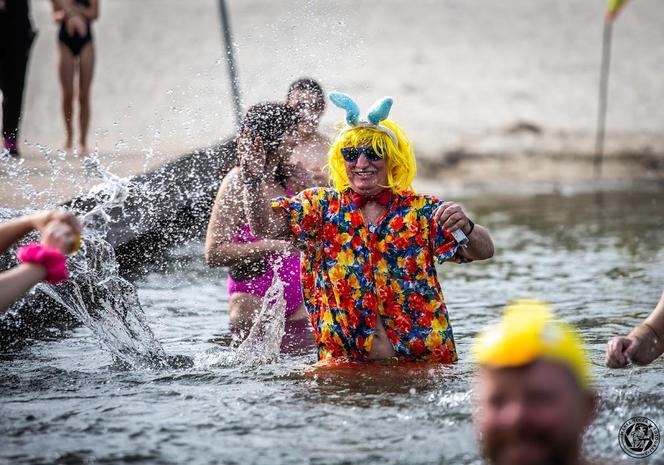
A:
(378, 112)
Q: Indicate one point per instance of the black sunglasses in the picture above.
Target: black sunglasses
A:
(351, 154)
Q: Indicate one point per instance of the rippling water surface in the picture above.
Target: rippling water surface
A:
(597, 258)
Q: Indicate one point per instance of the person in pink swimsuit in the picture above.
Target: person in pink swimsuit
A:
(289, 273)
(250, 259)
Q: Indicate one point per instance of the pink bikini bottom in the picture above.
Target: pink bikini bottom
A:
(289, 273)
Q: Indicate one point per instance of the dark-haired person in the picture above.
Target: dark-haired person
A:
(643, 345)
(310, 147)
(230, 242)
(16, 37)
(369, 242)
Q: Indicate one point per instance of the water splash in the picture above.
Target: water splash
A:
(110, 194)
(100, 299)
(96, 295)
(263, 344)
(108, 305)
(17, 171)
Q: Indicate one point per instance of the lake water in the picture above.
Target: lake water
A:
(597, 257)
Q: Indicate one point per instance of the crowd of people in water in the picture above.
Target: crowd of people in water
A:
(76, 59)
(354, 245)
(356, 249)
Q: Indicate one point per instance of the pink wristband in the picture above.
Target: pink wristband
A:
(53, 260)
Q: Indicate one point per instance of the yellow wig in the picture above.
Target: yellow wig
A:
(400, 160)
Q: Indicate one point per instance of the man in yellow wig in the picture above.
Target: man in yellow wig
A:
(533, 392)
(370, 243)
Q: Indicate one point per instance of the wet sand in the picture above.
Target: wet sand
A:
(488, 93)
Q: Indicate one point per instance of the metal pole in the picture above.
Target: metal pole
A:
(232, 70)
(603, 92)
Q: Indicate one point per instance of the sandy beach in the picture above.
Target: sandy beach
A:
(487, 93)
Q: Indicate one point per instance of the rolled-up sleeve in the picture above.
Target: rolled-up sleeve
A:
(445, 248)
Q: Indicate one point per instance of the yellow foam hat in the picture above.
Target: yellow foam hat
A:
(528, 331)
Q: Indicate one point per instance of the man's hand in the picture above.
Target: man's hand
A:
(451, 217)
(59, 229)
(60, 236)
(41, 220)
(621, 350)
(252, 158)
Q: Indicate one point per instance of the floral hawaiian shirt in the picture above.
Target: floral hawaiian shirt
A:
(352, 272)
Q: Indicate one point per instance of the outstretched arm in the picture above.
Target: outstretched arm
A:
(57, 234)
(17, 281)
(642, 345)
(12, 230)
(452, 217)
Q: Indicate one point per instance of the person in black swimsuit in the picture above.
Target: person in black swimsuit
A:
(76, 41)
(77, 53)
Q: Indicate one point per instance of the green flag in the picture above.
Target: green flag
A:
(613, 8)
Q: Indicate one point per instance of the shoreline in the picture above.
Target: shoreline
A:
(51, 177)
(472, 174)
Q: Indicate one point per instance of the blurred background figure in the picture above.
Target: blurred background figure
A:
(77, 57)
(230, 242)
(60, 235)
(642, 345)
(16, 37)
(310, 147)
(533, 399)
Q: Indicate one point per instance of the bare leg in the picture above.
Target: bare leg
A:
(66, 72)
(243, 309)
(298, 334)
(242, 312)
(85, 73)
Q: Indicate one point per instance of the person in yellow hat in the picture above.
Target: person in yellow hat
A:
(533, 390)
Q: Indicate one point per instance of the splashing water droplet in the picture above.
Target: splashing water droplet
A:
(263, 344)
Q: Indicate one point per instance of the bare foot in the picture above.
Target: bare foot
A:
(82, 150)
(67, 147)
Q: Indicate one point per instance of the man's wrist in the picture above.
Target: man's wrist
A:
(39, 271)
(471, 228)
(53, 261)
(647, 327)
